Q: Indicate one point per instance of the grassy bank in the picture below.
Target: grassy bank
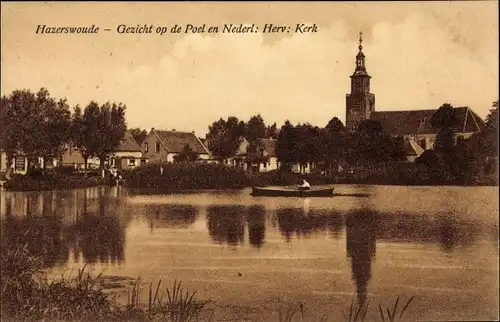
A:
(52, 181)
(174, 177)
(28, 295)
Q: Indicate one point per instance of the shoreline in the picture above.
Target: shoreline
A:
(72, 182)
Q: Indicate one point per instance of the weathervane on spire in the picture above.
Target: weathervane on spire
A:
(360, 40)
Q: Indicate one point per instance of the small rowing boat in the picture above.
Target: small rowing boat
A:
(292, 192)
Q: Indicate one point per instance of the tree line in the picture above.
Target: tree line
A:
(332, 147)
(38, 125)
(304, 144)
(461, 160)
(223, 138)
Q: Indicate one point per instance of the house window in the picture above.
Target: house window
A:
(146, 147)
(157, 147)
(131, 162)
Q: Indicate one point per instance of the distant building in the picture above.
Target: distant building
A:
(163, 146)
(72, 156)
(414, 126)
(128, 154)
(19, 163)
(263, 159)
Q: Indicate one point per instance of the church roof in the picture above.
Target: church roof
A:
(419, 121)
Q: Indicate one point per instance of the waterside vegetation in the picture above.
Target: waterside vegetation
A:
(27, 294)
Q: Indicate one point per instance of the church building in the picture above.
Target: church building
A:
(414, 126)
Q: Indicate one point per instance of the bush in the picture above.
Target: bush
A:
(51, 182)
(185, 176)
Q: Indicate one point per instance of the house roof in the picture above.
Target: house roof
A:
(128, 144)
(174, 141)
(411, 148)
(269, 146)
(419, 121)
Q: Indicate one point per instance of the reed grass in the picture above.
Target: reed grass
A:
(291, 311)
(357, 312)
(392, 314)
(27, 294)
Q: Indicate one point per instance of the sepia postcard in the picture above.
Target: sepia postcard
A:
(249, 161)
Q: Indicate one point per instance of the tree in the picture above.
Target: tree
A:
(370, 127)
(34, 125)
(223, 137)
(138, 135)
(255, 128)
(186, 155)
(485, 143)
(77, 135)
(272, 131)
(56, 128)
(335, 126)
(445, 120)
(285, 145)
(333, 148)
(100, 130)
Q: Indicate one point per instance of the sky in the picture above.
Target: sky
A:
(419, 54)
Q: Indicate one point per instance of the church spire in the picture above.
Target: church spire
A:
(360, 47)
(360, 59)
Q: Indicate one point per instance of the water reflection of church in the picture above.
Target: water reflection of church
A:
(361, 239)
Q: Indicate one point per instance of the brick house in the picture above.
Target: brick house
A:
(163, 146)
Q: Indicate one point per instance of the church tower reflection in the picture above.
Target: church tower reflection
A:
(361, 229)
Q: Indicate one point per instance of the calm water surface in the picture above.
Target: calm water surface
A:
(252, 255)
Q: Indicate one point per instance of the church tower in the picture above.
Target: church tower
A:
(360, 102)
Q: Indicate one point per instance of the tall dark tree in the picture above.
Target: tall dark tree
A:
(272, 131)
(77, 135)
(57, 129)
(255, 128)
(445, 120)
(285, 145)
(223, 137)
(333, 149)
(34, 125)
(7, 128)
(138, 134)
(100, 130)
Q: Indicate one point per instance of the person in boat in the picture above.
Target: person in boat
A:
(304, 186)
